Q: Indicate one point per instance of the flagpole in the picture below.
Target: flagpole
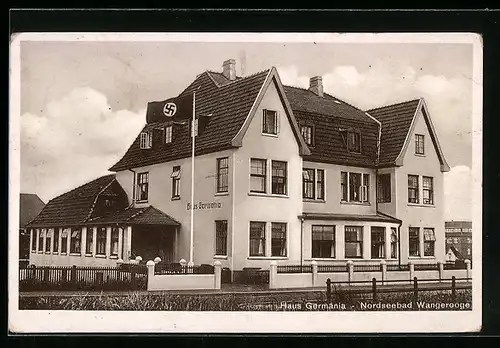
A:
(191, 262)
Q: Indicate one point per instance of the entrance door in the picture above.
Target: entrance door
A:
(150, 242)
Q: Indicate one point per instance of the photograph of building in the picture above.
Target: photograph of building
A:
(281, 173)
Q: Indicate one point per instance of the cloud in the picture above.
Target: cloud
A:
(289, 75)
(72, 141)
(458, 193)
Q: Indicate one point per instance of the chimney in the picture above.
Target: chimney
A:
(316, 85)
(229, 69)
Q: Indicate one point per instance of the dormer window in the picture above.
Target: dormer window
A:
(307, 134)
(352, 140)
(270, 122)
(168, 134)
(146, 140)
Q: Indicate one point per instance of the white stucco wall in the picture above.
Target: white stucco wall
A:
(160, 196)
(266, 207)
(333, 194)
(420, 215)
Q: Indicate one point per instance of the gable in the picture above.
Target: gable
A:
(274, 84)
(422, 125)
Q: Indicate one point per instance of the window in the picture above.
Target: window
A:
(413, 189)
(75, 242)
(279, 178)
(414, 241)
(278, 239)
(469, 240)
(176, 182)
(101, 241)
(355, 187)
(378, 243)
(352, 140)
(270, 122)
(33, 240)
(222, 174)
(258, 175)
(41, 233)
(89, 241)
(142, 186)
(343, 186)
(428, 190)
(307, 134)
(64, 240)
(308, 182)
(48, 239)
(257, 238)
(320, 184)
(455, 240)
(449, 240)
(353, 241)
(221, 237)
(168, 134)
(419, 144)
(55, 249)
(114, 241)
(394, 243)
(146, 140)
(384, 188)
(429, 241)
(323, 241)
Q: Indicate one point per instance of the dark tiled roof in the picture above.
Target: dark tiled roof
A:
(219, 78)
(396, 120)
(457, 253)
(458, 224)
(138, 216)
(328, 117)
(229, 105)
(350, 217)
(73, 207)
(30, 206)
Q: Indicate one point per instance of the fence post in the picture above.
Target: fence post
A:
(218, 274)
(328, 289)
(383, 266)
(453, 289)
(73, 276)
(412, 269)
(374, 288)
(468, 270)
(133, 270)
(415, 289)
(441, 270)
(273, 273)
(151, 274)
(314, 265)
(350, 271)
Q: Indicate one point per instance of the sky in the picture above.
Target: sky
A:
(83, 103)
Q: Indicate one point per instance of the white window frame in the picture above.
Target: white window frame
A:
(315, 185)
(363, 188)
(168, 134)
(146, 140)
(423, 145)
(276, 122)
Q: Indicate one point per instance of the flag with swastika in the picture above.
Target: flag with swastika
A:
(175, 109)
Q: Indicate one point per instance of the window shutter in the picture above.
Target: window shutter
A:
(277, 122)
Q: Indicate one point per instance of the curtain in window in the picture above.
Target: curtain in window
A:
(353, 241)
(257, 238)
(278, 239)
(258, 175)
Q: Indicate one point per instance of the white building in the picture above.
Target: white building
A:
(281, 173)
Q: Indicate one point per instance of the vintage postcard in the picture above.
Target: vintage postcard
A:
(285, 182)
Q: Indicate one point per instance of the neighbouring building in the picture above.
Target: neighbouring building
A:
(458, 236)
(281, 173)
(29, 207)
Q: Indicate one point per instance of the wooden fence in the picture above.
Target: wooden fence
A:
(125, 277)
(372, 287)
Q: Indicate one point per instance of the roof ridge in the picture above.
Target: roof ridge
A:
(82, 185)
(395, 104)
